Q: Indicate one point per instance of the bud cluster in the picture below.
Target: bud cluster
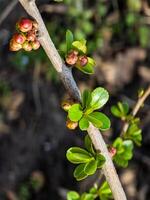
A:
(25, 37)
(66, 105)
(74, 58)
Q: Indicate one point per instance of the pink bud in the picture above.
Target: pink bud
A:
(72, 58)
(35, 44)
(13, 46)
(25, 25)
(31, 36)
(83, 60)
(27, 46)
(112, 151)
(19, 38)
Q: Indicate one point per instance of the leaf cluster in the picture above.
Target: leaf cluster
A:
(103, 193)
(134, 133)
(81, 47)
(124, 151)
(88, 160)
(85, 113)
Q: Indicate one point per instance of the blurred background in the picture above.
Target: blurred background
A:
(33, 136)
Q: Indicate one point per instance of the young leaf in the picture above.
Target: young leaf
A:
(115, 111)
(105, 192)
(134, 133)
(87, 196)
(83, 124)
(79, 173)
(99, 120)
(72, 195)
(120, 110)
(124, 107)
(80, 45)
(90, 167)
(75, 113)
(93, 190)
(99, 98)
(86, 98)
(100, 160)
(78, 155)
(87, 69)
(69, 40)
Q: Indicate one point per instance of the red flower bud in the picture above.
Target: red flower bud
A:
(72, 58)
(71, 125)
(35, 44)
(66, 104)
(112, 151)
(83, 60)
(13, 46)
(27, 46)
(19, 38)
(31, 36)
(25, 25)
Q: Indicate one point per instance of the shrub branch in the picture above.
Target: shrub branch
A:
(70, 85)
(136, 108)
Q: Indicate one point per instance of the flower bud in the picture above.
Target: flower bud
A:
(83, 60)
(66, 105)
(71, 125)
(27, 46)
(13, 46)
(35, 44)
(25, 25)
(72, 58)
(112, 151)
(31, 36)
(19, 38)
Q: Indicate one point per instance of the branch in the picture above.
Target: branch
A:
(70, 85)
(136, 108)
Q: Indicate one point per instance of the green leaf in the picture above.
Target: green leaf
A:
(79, 173)
(134, 133)
(78, 155)
(100, 160)
(72, 195)
(93, 190)
(86, 98)
(69, 40)
(115, 111)
(99, 120)
(120, 110)
(87, 196)
(90, 167)
(128, 146)
(83, 124)
(88, 144)
(75, 113)
(99, 98)
(105, 192)
(80, 45)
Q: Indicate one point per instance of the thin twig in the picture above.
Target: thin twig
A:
(136, 108)
(69, 83)
(7, 10)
